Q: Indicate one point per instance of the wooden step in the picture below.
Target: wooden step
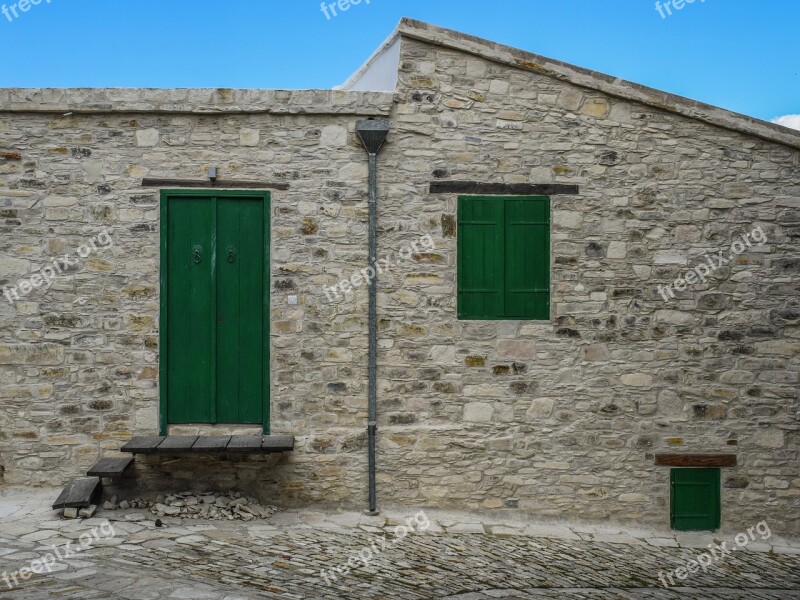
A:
(111, 467)
(79, 493)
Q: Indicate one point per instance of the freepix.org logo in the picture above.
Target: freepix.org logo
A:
(701, 272)
(665, 9)
(13, 11)
(45, 277)
(329, 8)
(59, 555)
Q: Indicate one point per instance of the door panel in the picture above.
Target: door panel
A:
(190, 325)
(240, 290)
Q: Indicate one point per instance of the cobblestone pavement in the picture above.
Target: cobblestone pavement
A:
(458, 557)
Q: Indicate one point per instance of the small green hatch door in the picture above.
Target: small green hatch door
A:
(695, 499)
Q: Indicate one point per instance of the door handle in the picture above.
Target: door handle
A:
(232, 254)
(197, 254)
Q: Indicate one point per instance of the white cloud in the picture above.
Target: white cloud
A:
(792, 121)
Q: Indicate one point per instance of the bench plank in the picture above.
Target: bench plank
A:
(211, 443)
(79, 493)
(111, 467)
(277, 443)
(176, 444)
(143, 444)
(244, 443)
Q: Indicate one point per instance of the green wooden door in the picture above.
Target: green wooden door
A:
(695, 499)
(215, 308)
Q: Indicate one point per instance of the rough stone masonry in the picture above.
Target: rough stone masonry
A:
(560, 418)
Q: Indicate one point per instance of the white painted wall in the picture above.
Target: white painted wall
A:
(379, 73)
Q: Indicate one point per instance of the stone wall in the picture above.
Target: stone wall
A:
(79, 363)
(563, 418)
(558, 418)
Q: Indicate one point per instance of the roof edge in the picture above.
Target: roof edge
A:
(594, 80)
(201, 101)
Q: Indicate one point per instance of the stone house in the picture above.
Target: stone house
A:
(587, 305)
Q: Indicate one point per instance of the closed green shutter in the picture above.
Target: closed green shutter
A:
(527, 258)
(503, 257)
(695, 499)
(480, 258)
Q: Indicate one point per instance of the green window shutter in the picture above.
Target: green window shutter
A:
(527, 258)
(695, 499)
(480, 258)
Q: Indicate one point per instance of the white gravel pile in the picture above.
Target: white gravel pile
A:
(231, 506)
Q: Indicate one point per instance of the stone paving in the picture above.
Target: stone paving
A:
(295, 555)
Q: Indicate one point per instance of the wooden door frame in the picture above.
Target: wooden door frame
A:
(213, 195)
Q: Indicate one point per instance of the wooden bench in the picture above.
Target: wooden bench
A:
(85, 491)
(217, 444)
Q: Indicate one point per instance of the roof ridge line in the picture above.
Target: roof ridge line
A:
(597, 81)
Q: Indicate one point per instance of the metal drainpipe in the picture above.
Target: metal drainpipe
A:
(372, 134)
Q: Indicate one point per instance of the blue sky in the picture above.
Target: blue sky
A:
(743, 55)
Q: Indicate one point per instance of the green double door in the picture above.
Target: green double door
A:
(214, 308)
